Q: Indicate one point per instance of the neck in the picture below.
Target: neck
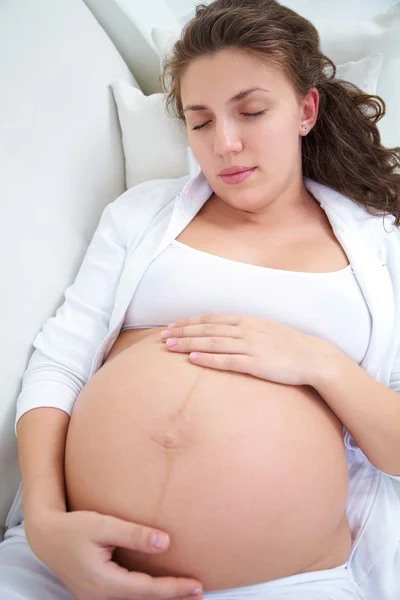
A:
(285, 207)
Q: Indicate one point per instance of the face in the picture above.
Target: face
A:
(260, 130)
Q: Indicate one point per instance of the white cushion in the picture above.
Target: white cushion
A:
(154, 143)
(363, 73)
(61, 162)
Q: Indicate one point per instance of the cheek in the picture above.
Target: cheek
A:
(278, 136)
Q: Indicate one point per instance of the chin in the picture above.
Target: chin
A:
(245, 199)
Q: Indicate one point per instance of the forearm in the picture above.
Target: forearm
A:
(41, 436)
(369, 410)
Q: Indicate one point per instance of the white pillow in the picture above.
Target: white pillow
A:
(154, 143)
(363, 73)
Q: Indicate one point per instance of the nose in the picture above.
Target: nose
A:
(227, 138)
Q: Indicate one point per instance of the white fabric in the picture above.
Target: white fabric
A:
(373, 512)
(154, 142)
(330, 584)
(61, 162)
(23, 577)
(184, 282)
(363, 73)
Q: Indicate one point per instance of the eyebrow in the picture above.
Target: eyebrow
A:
(240, 96)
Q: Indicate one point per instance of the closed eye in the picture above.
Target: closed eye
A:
(257, 114)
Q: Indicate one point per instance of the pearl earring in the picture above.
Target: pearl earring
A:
(304, 128)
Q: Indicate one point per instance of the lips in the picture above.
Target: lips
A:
(233, 170)
(237, 176)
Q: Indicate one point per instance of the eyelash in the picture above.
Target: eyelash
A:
(257, 114)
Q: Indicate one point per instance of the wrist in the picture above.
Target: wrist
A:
(35, 509)
(327, 364)
(37, 521)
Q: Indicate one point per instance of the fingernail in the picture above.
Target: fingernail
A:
(196, 592)
(165, 334)
(172, 325)
(159, 539)
(171, 342)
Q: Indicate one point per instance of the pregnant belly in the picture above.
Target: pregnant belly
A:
(248, 477)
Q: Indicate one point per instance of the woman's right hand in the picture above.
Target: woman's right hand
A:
(78, 547)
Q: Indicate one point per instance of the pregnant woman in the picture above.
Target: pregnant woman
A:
(220, 370)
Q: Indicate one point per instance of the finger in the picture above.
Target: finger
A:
(206, 330)
(207, 344)
(224, 362)
(229, 319)
(131, 584)
(117, 532)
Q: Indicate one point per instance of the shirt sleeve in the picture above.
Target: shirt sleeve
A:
(65, 347)
(392, 259)
(394, 384)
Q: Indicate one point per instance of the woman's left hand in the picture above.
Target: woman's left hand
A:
(259, 347)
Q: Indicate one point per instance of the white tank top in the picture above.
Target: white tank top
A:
(185, 282)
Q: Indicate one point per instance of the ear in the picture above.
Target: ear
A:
(309, 111)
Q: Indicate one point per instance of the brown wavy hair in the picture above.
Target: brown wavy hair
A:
(343, 150)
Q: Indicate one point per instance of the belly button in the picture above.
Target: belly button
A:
(168, 440)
